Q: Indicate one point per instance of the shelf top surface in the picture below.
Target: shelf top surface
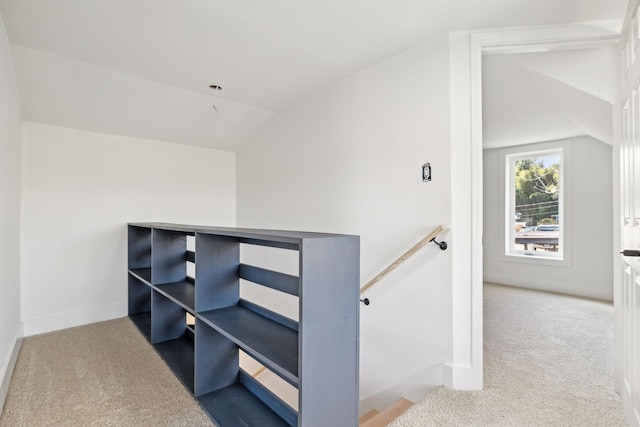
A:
(288, 236)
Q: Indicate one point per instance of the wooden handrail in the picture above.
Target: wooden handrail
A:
(422, 243)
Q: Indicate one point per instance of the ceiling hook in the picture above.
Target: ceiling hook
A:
(216, 89)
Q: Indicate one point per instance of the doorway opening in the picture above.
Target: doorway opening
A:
(467, 50)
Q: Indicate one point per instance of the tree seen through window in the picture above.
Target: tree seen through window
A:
(535, 204)
(537, 190)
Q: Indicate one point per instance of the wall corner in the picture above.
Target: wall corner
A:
(7, 370)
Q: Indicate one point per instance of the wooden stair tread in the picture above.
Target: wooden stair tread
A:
(383, 418)
(366, 417)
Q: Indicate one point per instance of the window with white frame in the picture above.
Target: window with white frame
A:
(534, 204)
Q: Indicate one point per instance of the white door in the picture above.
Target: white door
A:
(628, 289)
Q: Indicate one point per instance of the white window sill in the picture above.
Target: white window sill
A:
(539, 258)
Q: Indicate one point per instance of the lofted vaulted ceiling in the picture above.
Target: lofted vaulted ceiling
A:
(142, 67)
(534, 97)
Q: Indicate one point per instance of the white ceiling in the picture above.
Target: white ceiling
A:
(142, 67)
(546, 96)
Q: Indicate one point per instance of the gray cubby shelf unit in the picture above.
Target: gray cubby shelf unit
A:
(318, 354)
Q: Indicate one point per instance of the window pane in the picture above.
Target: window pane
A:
(536, 203)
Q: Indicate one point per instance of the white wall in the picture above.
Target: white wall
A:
(348, 159)
(79, 191)
(589, 272)
(10, 326)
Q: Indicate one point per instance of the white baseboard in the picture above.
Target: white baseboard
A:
(7, 369)
(59, 321)
(458, 377)
(605, 294)
(414, 388)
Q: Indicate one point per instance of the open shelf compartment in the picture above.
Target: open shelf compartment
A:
(143, 274)
(178, 353)
(139, 247)
(140, 305)
(172, 338)
(263, 335)
(246, 402)
(182, 293)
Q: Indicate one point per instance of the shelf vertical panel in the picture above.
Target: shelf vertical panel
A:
(328, 335)
(169, 256)
(216, 360)
(139, 296)
(217, 264)
(168, 319)
(139, 247)
(140, 305)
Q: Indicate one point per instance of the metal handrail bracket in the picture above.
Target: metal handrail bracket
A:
(430, 238)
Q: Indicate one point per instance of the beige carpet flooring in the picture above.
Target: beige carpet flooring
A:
(548, 361)
(104, 374)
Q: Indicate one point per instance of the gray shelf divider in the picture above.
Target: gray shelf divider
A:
(140, 304)
(168, 320)
(217, 260)
(139, 278)
(139, 243)
(216, 358)
(168, 256)
(330, 293)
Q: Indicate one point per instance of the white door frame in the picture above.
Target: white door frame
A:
(465, 372)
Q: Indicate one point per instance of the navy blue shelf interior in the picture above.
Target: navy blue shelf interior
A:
(142, 273)
(178, 353)
(143, 323)
(182, 292)
(272, 344)
(234, 405)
